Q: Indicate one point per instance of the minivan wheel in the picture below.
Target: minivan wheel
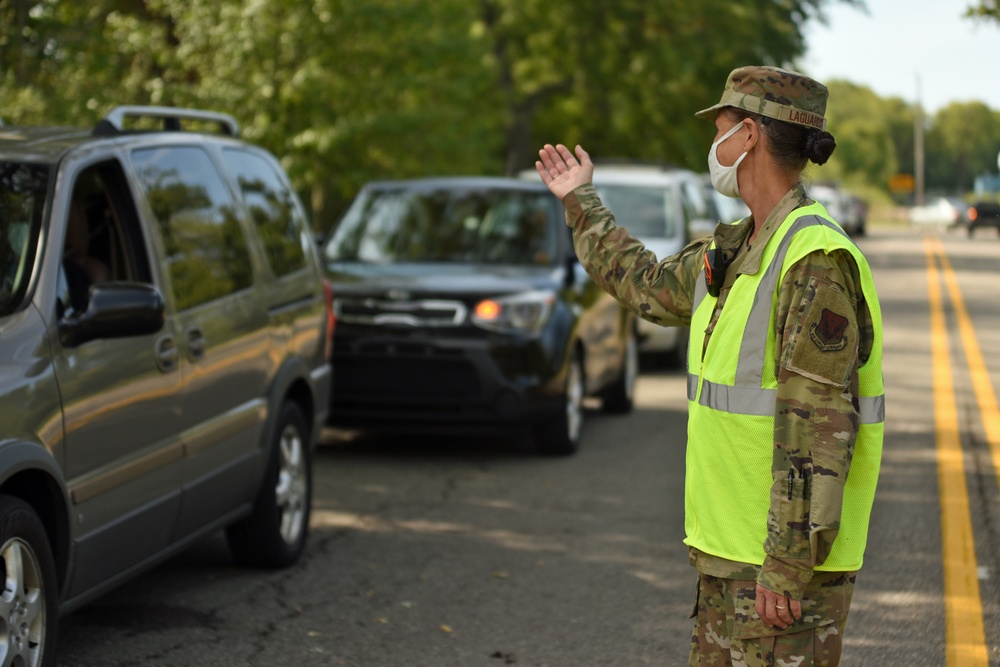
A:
(28, 600)
(559, 433)
(620, 396)
(274, 535)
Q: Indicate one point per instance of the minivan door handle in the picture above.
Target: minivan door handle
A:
(195, 343)
(166, 354)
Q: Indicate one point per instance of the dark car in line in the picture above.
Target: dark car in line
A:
(164, 338)
(983, 213)
(461, 308)
(849, 211)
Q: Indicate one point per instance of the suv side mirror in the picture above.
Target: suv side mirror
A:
(116, 310)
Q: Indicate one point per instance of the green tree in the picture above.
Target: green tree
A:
(627, 77)
(344, 91)
(961, 145)
(901, 120)
(985, 9)
(866, 155)
(19, 43)
(351, 90)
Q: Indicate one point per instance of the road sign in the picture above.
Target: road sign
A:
(901, 183)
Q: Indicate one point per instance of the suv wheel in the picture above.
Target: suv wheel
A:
(28, 601)
(621, 395)
(559, 433)
(274, 535)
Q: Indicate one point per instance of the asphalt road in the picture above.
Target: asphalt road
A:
(465, 553)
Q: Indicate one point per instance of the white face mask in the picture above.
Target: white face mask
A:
(724, 178)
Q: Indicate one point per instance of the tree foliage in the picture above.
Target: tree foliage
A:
(626, 77)
(347, 91)
(985, 9)
(344, 91)
(967, 135)
(876, 140)
(864, 126)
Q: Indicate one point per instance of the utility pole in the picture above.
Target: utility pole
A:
(918, 148)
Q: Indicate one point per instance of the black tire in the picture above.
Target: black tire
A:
(274, 535)
(29, 603)
(620, 396)
(559, 433)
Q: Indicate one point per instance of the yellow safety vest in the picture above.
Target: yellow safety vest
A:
(731, 401)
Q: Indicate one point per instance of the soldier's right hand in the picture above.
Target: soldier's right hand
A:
(563, 172)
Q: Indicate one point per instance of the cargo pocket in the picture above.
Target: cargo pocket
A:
(817, 647)
(697, 597)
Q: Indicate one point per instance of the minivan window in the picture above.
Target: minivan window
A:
(475, 225)
(271, 203)
(280, 224)
(205, 246)
(648, 212)
(22, 201)
(102, 241)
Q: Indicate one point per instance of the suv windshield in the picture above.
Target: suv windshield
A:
(646, 211)
(468, 225)
(22, 200)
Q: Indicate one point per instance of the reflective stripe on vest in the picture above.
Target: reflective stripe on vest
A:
(746, 396)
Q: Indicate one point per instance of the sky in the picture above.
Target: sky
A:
(900, 47)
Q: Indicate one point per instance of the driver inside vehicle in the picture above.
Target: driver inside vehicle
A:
(82, 268)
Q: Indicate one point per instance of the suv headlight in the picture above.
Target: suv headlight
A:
(519, 313)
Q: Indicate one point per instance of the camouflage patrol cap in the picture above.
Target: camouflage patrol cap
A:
(773, 92)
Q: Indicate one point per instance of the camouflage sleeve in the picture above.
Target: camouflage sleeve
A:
(661, 291)
(816, 415)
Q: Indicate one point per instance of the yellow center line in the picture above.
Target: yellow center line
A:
(964, 635)
(981, 383)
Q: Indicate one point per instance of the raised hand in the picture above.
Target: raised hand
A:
(563, 172)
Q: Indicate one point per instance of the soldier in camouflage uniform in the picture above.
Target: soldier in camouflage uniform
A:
(782, 610)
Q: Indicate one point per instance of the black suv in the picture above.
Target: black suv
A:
(164, 358)
(461, 308)
(983, 214)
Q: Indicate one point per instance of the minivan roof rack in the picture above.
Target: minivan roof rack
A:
(171, 116)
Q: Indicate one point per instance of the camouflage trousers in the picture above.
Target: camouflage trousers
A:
(728, 632)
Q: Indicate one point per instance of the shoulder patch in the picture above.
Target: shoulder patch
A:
(822, 340)
(828, 333)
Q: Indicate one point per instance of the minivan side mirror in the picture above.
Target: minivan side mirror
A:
(115, 310)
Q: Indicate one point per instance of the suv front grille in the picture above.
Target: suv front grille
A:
(422, 313)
